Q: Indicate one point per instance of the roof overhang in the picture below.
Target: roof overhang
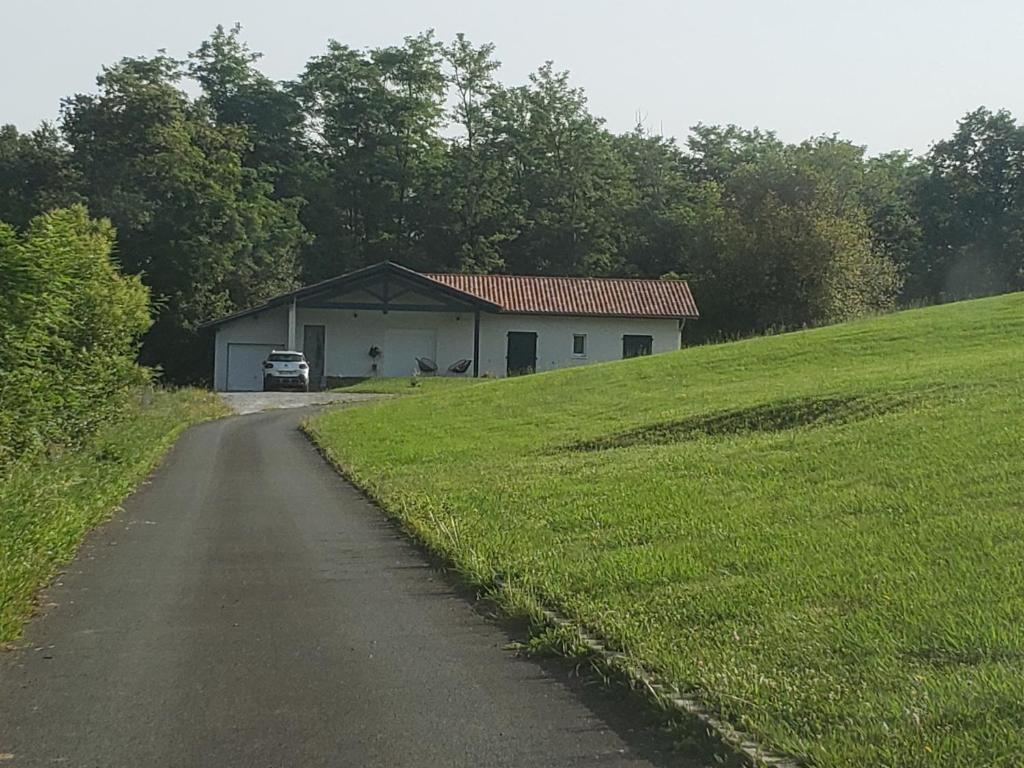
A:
(611, 315)
(357, 279)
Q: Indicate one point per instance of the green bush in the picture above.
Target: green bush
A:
(70, 325)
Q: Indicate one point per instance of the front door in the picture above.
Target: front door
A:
(313, 349)
(522, 353)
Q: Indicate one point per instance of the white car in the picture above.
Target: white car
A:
(285, 369)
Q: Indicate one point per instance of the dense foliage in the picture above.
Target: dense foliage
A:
(416, 153)
(70, 323)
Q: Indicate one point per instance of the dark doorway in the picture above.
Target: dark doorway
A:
(313, 349)
(522, 353)
(637, 346)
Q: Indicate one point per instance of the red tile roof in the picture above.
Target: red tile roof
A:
(594, 296)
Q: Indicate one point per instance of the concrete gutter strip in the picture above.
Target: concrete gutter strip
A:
(670, 696)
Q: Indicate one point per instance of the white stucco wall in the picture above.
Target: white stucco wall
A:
(554, 339)
(350, 334)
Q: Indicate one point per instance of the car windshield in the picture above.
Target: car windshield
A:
(285, 357)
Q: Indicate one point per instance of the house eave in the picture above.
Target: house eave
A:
(610, 315)
(352, 279)
(471, 301)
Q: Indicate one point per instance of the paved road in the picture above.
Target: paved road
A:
(254, 402)
(249, 609)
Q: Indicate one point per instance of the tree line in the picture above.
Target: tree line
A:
(417, 153)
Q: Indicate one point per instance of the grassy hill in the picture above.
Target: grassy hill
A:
(822, 532)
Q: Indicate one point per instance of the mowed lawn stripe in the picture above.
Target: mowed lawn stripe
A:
(819, 532)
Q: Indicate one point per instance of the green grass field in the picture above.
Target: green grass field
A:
(46, 507)
(821, 533)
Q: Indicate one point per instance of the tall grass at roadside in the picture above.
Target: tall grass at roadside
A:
(819, 533)
(49, 504)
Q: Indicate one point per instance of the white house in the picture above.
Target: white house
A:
(378, 320)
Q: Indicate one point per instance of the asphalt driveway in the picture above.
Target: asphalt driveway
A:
(249, 608)
(254, 402)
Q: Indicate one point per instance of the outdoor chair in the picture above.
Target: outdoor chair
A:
(460, 366)
(426, 365)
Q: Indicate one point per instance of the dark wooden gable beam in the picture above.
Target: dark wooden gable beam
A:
(309, 296)
(386, 288)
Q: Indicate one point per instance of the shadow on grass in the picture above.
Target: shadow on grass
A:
(776, 416)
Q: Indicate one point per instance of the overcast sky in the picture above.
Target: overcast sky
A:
(887, 74)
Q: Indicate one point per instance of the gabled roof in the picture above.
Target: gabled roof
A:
(352, 280)
(515, 294)
(594, 296)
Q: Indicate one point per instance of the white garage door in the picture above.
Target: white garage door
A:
(245, 366)
(402, 347)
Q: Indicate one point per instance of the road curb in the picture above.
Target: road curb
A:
(664, 694)
(670, 697)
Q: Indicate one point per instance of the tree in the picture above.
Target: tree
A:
(568, 188)
(238, 94)
(663, 230)
(715, 152)
(972, 211)
(374, 117)
(36, 174)
(792, 245)
(469, 196)
(203, 230)
(471, 75)
(892, 185)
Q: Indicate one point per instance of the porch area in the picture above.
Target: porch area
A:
(376, 322)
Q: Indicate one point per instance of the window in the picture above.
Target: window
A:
(286, 357)
(579, 345)
(636, 346)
